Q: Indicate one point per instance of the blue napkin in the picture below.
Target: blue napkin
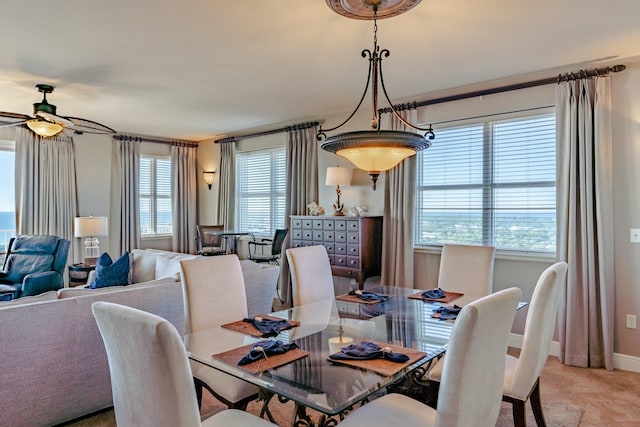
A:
(434, 294)
(266, 348)
(268, 327)
(369, 296)
(367, 350)
(447, 313)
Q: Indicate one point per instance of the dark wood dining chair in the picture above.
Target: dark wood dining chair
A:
(209, 243)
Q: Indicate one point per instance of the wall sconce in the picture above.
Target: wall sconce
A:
(209, 177)
(338, 176)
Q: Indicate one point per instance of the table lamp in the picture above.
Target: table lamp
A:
(338, 176)
(89, 227)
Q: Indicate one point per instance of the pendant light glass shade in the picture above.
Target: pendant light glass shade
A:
(44, 128)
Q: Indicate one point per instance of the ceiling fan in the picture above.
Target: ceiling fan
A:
(45, 122)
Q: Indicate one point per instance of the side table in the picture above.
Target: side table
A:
(79, 274)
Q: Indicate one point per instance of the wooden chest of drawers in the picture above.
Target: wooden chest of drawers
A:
(354, 244)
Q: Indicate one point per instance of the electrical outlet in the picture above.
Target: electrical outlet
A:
(634, 235)
(632, 321)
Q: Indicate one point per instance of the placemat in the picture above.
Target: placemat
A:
(232, 357)
(383, 366)
(448, 297)
(249, 329)
(354, 298)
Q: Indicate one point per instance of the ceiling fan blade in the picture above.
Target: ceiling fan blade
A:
(13, 117)
(88, 126)
(54, 119)
(6, 125)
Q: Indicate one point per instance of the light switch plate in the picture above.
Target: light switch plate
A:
(634, 235)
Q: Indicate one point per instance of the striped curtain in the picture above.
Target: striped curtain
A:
(226, 195)
(124, 219)
(184, 189)
(46, 193)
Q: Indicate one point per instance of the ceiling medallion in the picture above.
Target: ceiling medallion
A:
(375, 150)
(363, 9)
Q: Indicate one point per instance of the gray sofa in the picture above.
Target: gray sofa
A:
(55, 365)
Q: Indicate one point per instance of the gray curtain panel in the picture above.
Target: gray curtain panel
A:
(124, 219)
(226, 195)
(399, 196)
(184, 189)
(302, 189)
(46, 193)
(585, 221)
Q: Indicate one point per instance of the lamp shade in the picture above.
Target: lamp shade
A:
(337, 175)
(376, 159)
(91, 226)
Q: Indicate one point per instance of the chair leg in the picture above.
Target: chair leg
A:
(536, 405)
(519, 418)
(198, 386)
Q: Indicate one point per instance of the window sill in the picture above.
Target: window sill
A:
(500, 254)
(156, 237)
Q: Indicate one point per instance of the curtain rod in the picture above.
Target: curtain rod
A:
(299, 126)
(516, 86)
(121, 137)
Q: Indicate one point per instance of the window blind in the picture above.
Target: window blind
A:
(490, 183)
(260, 190)
(155, 196)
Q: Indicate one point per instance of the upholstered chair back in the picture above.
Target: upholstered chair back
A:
(467, 269)
(213, 290)
(538, 332)
(150, 376)
(311, 278)
(473, 375)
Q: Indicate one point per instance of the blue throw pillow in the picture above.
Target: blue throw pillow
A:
(111, 273)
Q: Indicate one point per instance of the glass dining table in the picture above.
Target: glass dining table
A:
(316, 382)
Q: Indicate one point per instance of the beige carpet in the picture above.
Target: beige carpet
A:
(556, 414)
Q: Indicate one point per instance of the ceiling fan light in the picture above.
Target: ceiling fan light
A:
(44, 128)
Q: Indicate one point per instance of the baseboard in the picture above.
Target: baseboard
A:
(623, 362)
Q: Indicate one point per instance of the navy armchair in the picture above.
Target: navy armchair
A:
(34, 264)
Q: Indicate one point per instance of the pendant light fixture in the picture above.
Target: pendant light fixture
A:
(374, 150)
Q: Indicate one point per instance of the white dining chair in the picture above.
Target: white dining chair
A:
(311, 278)
(472, 379)
(214, 294)
(467, 269)
(522, 373)
(150, 375)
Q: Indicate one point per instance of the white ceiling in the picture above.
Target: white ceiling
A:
(196, 69)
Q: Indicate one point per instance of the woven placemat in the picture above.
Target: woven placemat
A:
(249, 329)
(383, 366)
(354, 298)
(232, 357)
(448, 297)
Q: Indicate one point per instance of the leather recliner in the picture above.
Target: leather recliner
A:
(34, 264)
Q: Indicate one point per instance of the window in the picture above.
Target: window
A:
(491, 183)
(260, 190)
(155, 196)
(7, 195)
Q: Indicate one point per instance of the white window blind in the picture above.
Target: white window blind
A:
(491, 183)
(260, 190)
(155, 196)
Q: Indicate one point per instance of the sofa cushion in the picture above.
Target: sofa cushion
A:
(46, 296)
(111, 273)
(168, 265)
(144, 265)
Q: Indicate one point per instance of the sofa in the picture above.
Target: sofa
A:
(55, 365)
